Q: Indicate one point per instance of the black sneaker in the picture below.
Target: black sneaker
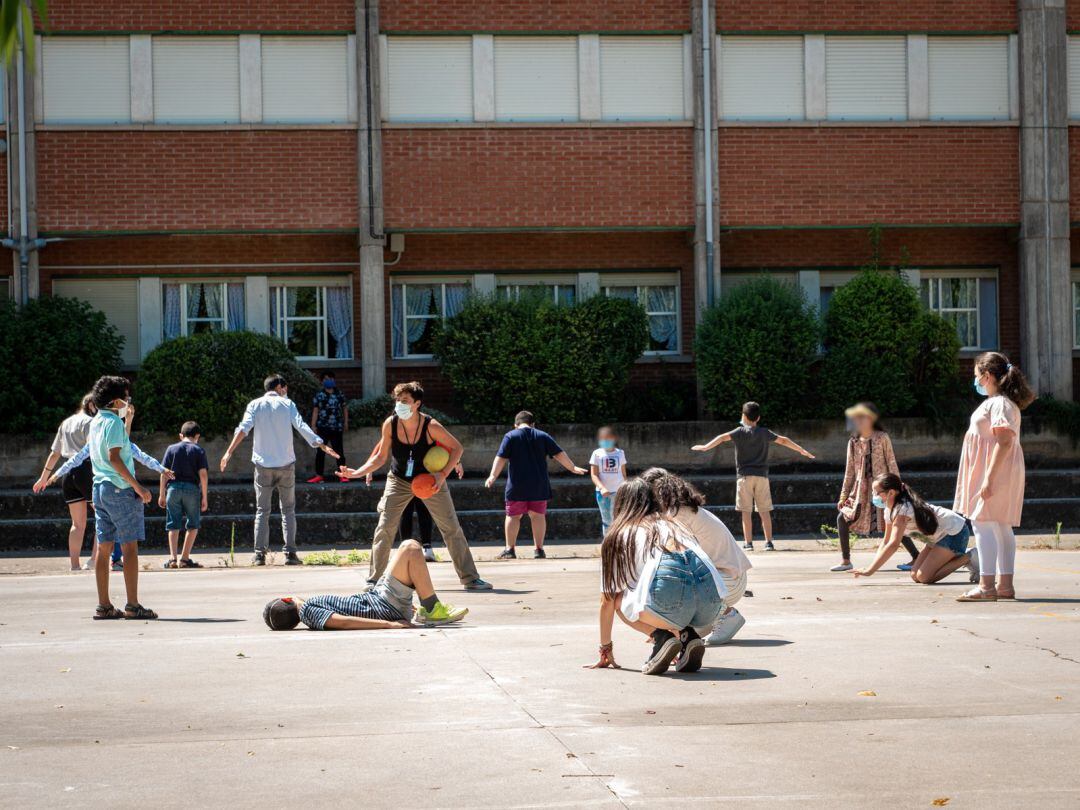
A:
(666, 646)
(259, 558)
(692, 653)
(292, 558)
(507, 554)
(539, 554)
(748, 546)
(769, 546)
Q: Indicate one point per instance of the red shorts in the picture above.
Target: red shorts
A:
(519, 508)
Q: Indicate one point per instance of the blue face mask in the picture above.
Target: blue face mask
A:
(979, 388)
(328, 383)
(878, 501)
(607, 444)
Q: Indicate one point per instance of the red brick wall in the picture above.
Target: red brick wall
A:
(184, 180)
(536, 15)
(866, 15)
(495, 178)
(854, 176)
(202, 15)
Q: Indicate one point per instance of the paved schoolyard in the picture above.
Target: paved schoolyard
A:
(976, 704)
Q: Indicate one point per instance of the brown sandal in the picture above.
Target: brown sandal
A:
(107, 612)
(978, 595)
(1009, 595)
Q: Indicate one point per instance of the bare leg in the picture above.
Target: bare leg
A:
(766, 525)
(539, 528)
(189, 543)
(512, 525)
(76, 532)
(956, 562)
(101, 572)
(933, 564)
(647, 622)
(919, 562)
(131, 571)
(747, 527)
(174, 539)
(408, 567)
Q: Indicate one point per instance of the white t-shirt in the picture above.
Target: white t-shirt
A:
(72, 434)
(948, 521)
(609, 467)
(715, 540)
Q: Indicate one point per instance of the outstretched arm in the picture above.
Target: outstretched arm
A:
(567, 464)
(66, 467)
(497, 467)
(379, 456)
(894, 533)
(723, 437)
(784, 441)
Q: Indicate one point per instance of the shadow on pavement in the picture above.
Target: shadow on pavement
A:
(758, 642)
(200, 620)
(722, 674)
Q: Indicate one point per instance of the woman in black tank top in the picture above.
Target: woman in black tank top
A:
(408, 447)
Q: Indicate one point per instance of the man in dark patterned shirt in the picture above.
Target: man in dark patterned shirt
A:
(330, 419)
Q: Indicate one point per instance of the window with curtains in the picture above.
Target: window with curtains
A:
(969, 301)
(661, 304)
(191, 308)
(314, 321)
(415, 308)
(561, 293)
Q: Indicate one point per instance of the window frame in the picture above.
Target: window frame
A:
(223, 285)
(513, 286)
(421, 281)
(941, 275)
(641, 284)
(276, 291)
(1074, 278)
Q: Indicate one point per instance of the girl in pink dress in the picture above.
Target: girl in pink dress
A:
(990, 482)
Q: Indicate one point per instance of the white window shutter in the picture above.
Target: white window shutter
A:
(1074, 77)
(762, 79)
(641, 78)
(430, 78)
(969, 78)
(305, 80)
(196, 80)
(86, 80)
(118, 298)
(866, 78)
(536, 78)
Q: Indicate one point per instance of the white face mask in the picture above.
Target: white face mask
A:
(122, 411)
(403, 410)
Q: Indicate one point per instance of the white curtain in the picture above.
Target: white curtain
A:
(236, 307)
(397, 322)
(455, 298)
(662, 327)
(171, 315)
(274, 325)
(418, 301)
(194, 298)
(339, 320)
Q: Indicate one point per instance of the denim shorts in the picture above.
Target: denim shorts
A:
(182, 507)
(683, 591)
(956, 543)
(119, 514)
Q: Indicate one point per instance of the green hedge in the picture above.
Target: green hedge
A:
(371, 411)
(51, 352)
(758, 343)
(211, 377)
(564, 363)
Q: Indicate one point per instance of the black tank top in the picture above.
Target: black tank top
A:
(400, 452)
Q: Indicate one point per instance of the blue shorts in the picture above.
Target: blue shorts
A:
(956, 543)
(119, 514)
(683, 591)
(182, 507)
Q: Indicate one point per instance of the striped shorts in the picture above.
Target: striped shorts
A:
(389, 601)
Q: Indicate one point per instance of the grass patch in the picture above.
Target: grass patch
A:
(335, 557)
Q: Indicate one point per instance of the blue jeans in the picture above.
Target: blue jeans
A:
(607, 507)
(182, 507)
(683, 591)
(956, 543)
(119, 516)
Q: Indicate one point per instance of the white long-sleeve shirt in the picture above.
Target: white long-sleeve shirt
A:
(138, 455)
(273, 418)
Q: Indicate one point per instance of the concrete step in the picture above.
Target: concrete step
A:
(355, 529)
(569, 492)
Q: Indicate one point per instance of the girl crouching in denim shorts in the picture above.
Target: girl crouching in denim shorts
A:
(659, 581)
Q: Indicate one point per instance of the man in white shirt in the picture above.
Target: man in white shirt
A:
(274, 417)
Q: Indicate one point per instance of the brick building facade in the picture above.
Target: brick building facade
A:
(343, 174)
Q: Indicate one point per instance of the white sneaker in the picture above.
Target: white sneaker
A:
(429, 554)
(725, 628)
(843, 567)
(973, 564)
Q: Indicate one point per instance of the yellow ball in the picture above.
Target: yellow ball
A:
(435, 460)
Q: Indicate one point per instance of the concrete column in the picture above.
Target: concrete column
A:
(483, 81)
(39, 81)
(814, 95)
(371, 315)
(16, 203)
(1045, 300)
(149, 314)
(704, 129)
(918, 77)
(251, 100)
(141, 65)
(589, 103)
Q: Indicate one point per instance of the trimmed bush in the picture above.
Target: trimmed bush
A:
(564, 363)
(51, 352)
(758, 343)
(211, 377)
(371, 411)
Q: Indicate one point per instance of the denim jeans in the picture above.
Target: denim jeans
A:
(683, 591)
(183, 502)
(607, 507)
(119, 515)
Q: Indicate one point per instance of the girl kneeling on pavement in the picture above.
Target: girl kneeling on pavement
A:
(944, 531)
(659, 581)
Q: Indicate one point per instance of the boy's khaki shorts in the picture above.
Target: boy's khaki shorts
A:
(752, 494)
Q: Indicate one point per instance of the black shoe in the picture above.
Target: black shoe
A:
(748, 546)
(666, 646)
(769, 546)
(539, 554)
(292, 558)
(692, 653)
(259, 558)
(507, 554)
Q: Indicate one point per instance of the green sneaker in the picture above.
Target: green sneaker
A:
(442, 613)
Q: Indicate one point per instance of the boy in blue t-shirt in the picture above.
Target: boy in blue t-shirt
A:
(184, 498)
(524, 452)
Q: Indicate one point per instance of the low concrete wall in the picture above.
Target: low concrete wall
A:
(665, 444)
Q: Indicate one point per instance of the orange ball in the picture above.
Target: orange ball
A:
(423, 486)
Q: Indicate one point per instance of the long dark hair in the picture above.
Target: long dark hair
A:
(925, 519)
(634, 508)
(1010, 379)
(671, 492)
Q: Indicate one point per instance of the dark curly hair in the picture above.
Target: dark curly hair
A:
(109, 389)
(672, 492)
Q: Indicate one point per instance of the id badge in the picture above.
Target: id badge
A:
(409, 467)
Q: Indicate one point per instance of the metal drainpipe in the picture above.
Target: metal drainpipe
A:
(24, 241)
(370, 135)
(706, 57)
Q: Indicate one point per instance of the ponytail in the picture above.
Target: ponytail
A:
(925, 519)
(1010, 379)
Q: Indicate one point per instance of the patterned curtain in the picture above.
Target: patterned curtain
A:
(236, 307)
(171, 320)
(339, 320)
